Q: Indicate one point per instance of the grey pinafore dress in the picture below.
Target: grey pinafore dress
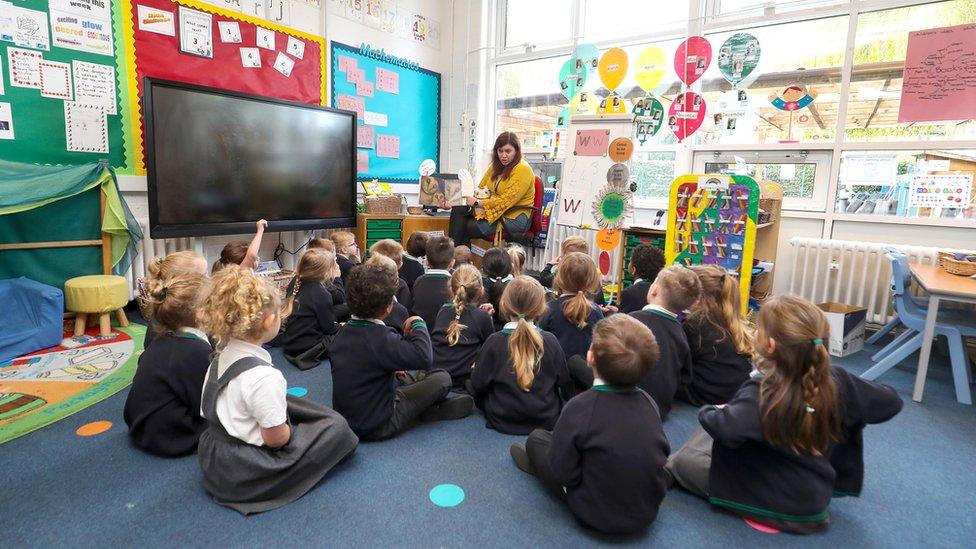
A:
(253, 479)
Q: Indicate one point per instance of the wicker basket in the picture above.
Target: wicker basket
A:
(952, 265)
(384, 205)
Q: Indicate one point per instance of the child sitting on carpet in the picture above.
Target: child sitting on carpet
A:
(347, 252)
(462, 255)
(367, 354)
(162, 408)
(393, 250)
(311, 322)
(240, 252)
(432, 290)
(573, 314)
(462, 327)
(398, 314)
(719, 339)
(161, 270)
(520, 370)
(261, 449)
(413, 260)
(518, 256)
(569, 245)
(791, 438)
(645, 262)
(496, 266)
(605, 457)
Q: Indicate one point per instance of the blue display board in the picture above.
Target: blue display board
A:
(412, 113)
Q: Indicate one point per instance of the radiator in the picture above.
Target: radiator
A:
(149, 249)
(856, 273)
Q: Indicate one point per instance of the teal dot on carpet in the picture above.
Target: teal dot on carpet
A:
(446, 495)
(298, 391)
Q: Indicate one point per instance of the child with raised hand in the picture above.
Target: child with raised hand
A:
(240, 252)
(497, 268)
(393, 250)
(462, 327)
(790, 438)
(573, 314)
(261, 449)
(605, 457)
(347, 252)
(161, 270)
(398, 314)
(366, 356)
(719, 339)
(162, 409)
(413, 260)
(310, 324)
(520, 370)
(518, 256)
(674, 290)
(569, 245)
(432, 290)
(645, 262)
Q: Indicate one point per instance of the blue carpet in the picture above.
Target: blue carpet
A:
(100, 491)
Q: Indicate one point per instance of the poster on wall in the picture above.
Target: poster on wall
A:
(939, 81)
(940, 191)
(196, 32)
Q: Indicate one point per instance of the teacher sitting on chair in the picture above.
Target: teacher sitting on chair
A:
(511, 182)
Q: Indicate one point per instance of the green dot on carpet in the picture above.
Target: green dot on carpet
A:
(446, 495)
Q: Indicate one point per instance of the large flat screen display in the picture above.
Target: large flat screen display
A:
(218, 161)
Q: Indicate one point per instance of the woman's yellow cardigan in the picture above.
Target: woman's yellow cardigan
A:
(511, 196)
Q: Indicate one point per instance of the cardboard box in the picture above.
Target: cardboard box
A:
(847, 324)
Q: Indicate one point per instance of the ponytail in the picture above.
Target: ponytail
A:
(799, 402)
(718, 306)
(524, 300)
(466, 285)
(525, 346)
(577, 274)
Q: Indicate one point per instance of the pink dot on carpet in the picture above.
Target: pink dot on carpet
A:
(761, 527)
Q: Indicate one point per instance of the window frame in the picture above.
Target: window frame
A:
(705, 17)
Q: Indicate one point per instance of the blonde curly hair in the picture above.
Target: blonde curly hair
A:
(237, 303)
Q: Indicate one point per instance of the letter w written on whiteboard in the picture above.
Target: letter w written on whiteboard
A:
(571, 205)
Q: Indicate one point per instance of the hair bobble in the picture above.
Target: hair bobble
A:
(163, 293)
(810, 409)
(457, 316)
(817, 341)
(521, 316)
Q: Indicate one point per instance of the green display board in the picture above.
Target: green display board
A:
(39, 125)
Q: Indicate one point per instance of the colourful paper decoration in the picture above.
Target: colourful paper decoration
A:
(648, 117)
(692, 58)
(611, 205)
(562, 119)
(607, 239)
(650, 67)
(620, 149)
(686, 114)
(738, 57)
(612, 104)
(613, 68)
(572, 77)
(583, 103)
(792, 98)
(712, 220)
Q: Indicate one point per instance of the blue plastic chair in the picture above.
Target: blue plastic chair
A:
(953, 325)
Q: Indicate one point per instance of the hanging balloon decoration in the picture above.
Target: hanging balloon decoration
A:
(648, 117)
(738, 57)
(562, 119)
(650, 67)
(584, 103)
(572, 77)
(686, 114)
(692, 58)
(589, 55)
(612, 69)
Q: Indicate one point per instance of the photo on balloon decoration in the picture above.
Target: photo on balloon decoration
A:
(738, 57)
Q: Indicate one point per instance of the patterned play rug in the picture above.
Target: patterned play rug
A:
(43, 387)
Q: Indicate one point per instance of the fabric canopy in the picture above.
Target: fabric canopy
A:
(25, 187)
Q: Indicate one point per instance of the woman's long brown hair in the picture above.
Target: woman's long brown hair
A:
(498, 171)
(798, 400)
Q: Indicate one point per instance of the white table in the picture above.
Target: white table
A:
(941, 286)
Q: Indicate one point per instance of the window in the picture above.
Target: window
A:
(603, 19)
(532, 22)
(913, 184)
(802, 174)
(527, 97)
(816, 67)
(879, 59)
(653, 172)
(771, 6)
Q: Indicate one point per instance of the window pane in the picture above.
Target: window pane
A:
(778, 6)
(527, 97)
(879, 59)
(796, 178)
(880, 183)
(816, 66)
(537, 21)
(603, 19)
(653, 172)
